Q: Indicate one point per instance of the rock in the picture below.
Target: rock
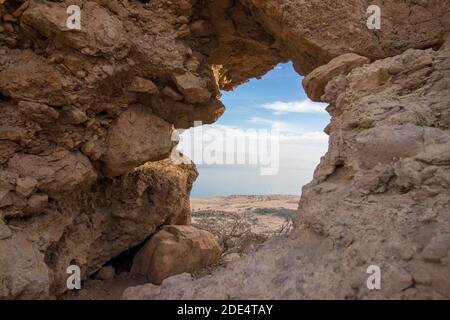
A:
(229, 258)
(144, 292)
(37, 202)
(139, 202)
(437, 249)
(201, 28)
(142, 85)
(25, 186)
(175, 250)
(5, 232)
(183, 32)
(315, 82)
(59, 172)
(192, 87)
(137, 136)
(9, 18)
(185, 4)
(11, 41)
(12, 133)
(6, 198)
(106, 273)
(397, 280)
(73, 115)
(383, 144)
(106, 33)
(149, 291)
(208, 113)
(192, 64)
(19, 11)
(184, 116)
(94, 148)
(27, 76)
(23, 273)
(171, 93)
(38, 112)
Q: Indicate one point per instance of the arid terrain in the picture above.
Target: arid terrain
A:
(265, 214)
(241, 223)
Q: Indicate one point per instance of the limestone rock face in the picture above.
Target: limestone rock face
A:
(85, 135)
(88, 228)
(311, 33)
(174, 250)
(58, 172)
(100, 33)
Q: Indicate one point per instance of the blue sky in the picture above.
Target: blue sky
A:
(275, 102)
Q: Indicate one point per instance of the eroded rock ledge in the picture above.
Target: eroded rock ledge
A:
(86, 118)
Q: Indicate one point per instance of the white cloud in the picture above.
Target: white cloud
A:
(194, 140)
(305, 106)
(275, 125)
(275, 152)
(288, 131)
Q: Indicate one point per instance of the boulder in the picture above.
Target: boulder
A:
(172, 93)
(100, 31)
(193, 87)
(6, 199)
(5, 232)
(37, 202)
(25, 186)
(137, 136)
(73, 115)
(315, 82)
(149, 290)
(142, 85)
(23, 272)
(175, 250)
(232, 257)
(106, 273)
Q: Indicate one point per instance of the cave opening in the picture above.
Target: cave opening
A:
(254, 160)
(124, 261)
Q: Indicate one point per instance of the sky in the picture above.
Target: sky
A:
(279, 132)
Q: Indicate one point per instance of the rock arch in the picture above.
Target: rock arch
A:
(81, 180)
